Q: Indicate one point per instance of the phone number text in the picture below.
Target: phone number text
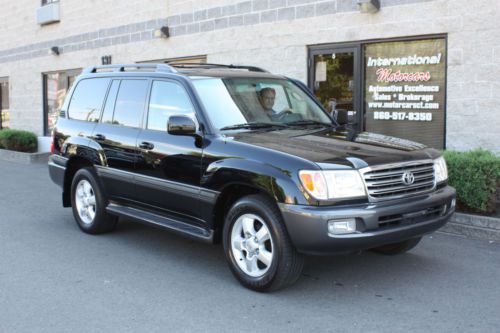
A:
(413, 116)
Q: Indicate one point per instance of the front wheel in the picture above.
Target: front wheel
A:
(398, 248)
(257, 246)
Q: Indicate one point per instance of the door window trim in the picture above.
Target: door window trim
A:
(146, 99)
(189, 95)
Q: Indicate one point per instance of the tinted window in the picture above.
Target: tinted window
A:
(167, 99)
(107, 114)
(130, 103)
(86, 102)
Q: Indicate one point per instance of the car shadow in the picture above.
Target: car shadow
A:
(322, 276)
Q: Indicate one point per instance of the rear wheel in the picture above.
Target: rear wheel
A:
(89, 204)
(398, 248)
(257, 246)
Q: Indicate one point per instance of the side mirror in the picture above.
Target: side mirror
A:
(181, 125)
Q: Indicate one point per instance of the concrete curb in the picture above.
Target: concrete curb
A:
(473, 226)
(24, 158)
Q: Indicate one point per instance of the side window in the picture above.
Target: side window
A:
(109, 107)
(167, 99)
(87, 99)
(130, 102)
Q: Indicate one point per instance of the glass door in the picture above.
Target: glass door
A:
(335, 80)
(56, 85)
(4, 103)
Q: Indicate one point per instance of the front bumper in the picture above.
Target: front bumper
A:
(376, 223)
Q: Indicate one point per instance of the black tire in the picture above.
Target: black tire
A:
(286, 265)
(101, 222)
(398, 248)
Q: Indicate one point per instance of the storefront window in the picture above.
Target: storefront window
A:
(56, 86)
(4, 103)
(405, 90)
(334, 83)
(394, 88)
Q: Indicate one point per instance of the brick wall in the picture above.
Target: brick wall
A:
(273, 34)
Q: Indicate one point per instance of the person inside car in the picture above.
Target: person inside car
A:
(266, 99)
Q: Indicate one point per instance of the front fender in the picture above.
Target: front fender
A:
(276, 182)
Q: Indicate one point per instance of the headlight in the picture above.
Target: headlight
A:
(333, 184)
(440, 170)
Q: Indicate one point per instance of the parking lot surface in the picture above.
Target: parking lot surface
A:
(54, 278)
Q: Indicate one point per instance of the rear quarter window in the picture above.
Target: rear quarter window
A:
(87, 99)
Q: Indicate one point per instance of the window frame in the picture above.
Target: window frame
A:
(191, 100)
(4, 80)
(69, 92)
(146, 99)
(70, 99)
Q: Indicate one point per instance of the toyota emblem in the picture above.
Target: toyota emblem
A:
(408, 178)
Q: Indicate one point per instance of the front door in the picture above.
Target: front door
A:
(334, 79)
(168, 171)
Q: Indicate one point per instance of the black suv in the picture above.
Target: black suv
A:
(234, 154)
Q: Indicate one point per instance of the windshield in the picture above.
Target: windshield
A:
(234, 102)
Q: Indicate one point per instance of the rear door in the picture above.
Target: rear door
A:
(116, 136)
(168, 171)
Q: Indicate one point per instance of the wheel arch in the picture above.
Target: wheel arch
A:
(74, 164)
(228, 196)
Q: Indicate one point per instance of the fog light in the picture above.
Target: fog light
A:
(340, 227)
(453, 203)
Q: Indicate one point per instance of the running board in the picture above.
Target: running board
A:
(161, 221)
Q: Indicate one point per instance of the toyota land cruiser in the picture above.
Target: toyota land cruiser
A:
(234, 154)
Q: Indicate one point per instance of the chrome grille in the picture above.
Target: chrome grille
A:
(386, 181)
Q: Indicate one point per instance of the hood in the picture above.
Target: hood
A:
(331, 148)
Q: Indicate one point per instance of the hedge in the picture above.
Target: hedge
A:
(476, 177)
(18, 140)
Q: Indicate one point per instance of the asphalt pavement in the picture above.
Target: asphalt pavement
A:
(54, 278)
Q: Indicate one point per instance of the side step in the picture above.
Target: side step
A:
(161, 221)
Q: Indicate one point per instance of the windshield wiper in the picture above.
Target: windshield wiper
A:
(252, 126)
(307, 123)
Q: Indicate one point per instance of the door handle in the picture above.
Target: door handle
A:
(99, 137)
(146, 145)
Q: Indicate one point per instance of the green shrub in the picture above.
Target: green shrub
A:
(18, 140)
(475, 175)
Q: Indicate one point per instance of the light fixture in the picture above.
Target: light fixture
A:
(163, 32)
(341, 227)
(368, 6)
(55, 50)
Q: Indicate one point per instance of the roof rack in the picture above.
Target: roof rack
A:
(130, 68)
(189, 65)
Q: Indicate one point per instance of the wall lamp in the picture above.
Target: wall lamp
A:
(368, 6)
(54, 50)
(162, 32)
